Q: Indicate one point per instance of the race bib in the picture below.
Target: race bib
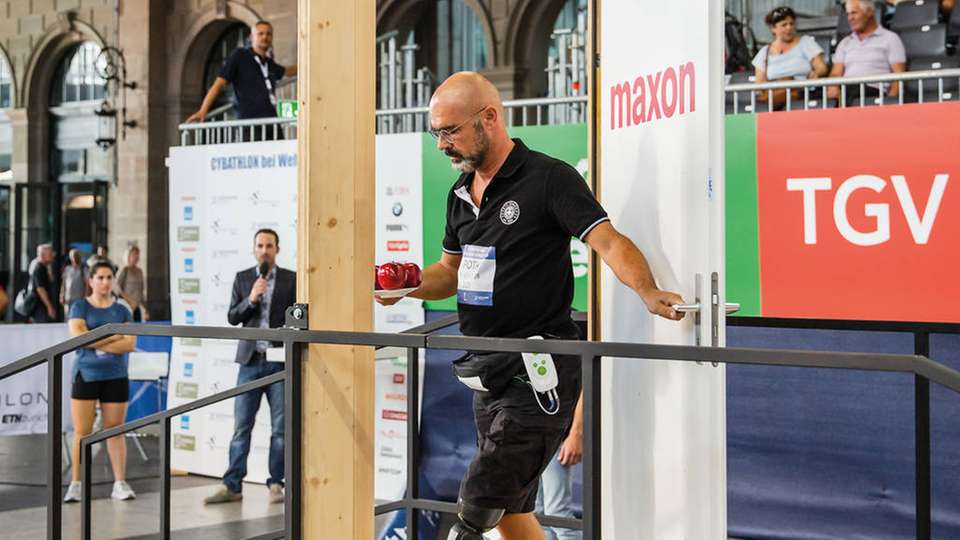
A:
(478, 265)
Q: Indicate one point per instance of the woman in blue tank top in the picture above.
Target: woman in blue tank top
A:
(100, 374)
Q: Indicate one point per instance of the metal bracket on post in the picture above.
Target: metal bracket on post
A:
(296, 317)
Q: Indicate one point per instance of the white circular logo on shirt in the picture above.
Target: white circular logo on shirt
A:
(509, 212)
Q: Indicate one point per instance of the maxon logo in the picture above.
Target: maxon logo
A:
(654, 96)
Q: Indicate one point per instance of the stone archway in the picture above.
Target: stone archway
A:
(185, 88)
(58, 40)
(403, 15)
(527, 41)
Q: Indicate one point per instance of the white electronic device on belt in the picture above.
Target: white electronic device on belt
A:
(541, 370)
(542, 373)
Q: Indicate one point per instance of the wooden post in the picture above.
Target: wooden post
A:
(335, 252)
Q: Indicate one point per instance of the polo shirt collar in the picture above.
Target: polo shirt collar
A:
(876, 32)
(516, 159)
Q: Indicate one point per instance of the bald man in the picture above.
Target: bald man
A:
(506, 255)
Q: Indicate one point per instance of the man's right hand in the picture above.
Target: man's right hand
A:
(198, 116)
(52, 313)
(259, 289)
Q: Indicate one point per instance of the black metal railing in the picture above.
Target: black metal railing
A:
(590, 354)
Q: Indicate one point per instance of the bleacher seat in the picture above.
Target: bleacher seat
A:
(927, 41)
(743, 98)
(932, 87)
(874, 101)
(843, 27)
(915, 13)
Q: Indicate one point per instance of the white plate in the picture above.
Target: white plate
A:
(394, 293)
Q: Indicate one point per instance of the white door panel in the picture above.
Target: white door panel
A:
(663, 425)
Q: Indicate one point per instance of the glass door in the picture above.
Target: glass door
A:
(35, 222)
(84, 216)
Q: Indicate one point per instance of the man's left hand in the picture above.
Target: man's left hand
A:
(659, 303)
(571, 451)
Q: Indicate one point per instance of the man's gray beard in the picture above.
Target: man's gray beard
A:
(469, 164)
(465, 166)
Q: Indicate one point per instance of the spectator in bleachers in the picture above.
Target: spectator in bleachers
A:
(869, 50)
(789, 56)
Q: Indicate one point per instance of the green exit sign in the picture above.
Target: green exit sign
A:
(288, 108)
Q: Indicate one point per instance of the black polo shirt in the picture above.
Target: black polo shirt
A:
(249, 73)
(516, 275)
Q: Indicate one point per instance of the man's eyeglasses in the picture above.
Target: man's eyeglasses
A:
(448, 134)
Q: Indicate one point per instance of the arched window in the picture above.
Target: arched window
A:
(235, 37)
(74, 96)
(79, 77)
(566, 55)
(6, 83)
(6, 101)
(468, 43)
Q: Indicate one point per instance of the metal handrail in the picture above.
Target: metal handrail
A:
(590, 354)
(935, 79)
(838, 81)
(222, 131)
(507, 104)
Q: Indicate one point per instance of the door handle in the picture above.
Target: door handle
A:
(686, 308)
(731, 307)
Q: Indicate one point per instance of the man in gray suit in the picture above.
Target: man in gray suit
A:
(260, 297)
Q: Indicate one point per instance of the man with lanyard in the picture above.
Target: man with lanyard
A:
(506, 255)
(254, 77)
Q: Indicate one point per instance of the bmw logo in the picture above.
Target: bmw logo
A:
(397, 209)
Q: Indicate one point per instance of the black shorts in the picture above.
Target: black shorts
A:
(108, 391)
(516, 441)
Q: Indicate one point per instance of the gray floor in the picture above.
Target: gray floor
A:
(23, 498)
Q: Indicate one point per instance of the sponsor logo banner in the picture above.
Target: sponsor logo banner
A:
(856, 230)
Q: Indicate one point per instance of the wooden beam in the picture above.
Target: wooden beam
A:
(335, 254)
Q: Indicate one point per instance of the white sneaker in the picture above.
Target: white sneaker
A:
(73, 493)
(122, 491)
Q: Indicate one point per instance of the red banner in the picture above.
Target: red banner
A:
(859, 213)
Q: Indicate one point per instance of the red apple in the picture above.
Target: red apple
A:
(390, 276)
(412, 275)
(376, 283)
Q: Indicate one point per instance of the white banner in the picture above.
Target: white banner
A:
(399, 220)
(663, 422)
(219, 196)
(23, 397)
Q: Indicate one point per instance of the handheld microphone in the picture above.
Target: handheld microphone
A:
(264, 271)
